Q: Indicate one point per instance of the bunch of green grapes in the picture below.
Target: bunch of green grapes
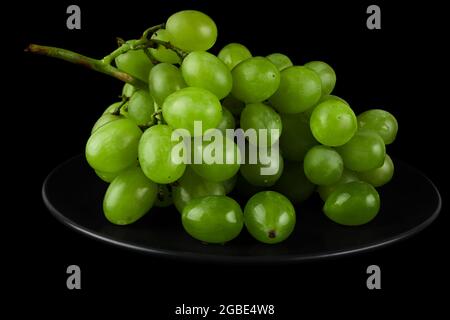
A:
(319, 144)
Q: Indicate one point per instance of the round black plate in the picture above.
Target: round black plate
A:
(409, 203)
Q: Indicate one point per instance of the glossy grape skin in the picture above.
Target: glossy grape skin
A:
(300, 89)
(234, 53)
(191, 30)
(104, 119)
(230, 183)
(333, 123)
(229, 162)
(161, 53)
(269, 217)
(183, 107)
(113, 147)
(379, 176)
(327, 97)
(296, 138)
(252, 172)
(227, 121)
(163, 196)
(280, 60)
(141, 108)
(107, 176)
(129, 197)
(135, 63)
(352, 204)
(112, 108)
(323, 165)
(326, 74)
(213, 219)
(204, 70)
(128, 90)
(383, 122)
(234, 105)
(347, 176)
(191, 186)
(293, 183)
(261, 116)
(365, 151)
(255, 80)
(164, 79)
(155, 155)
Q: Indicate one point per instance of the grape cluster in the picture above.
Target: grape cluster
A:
(323, 145)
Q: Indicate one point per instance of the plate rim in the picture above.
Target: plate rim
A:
(220, 258)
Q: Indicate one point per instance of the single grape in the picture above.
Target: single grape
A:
(255, 80)
(333, 123)
(296, 138)
(104, 119)
(163, 196)
(326, 74)
(300, 89)
(234, 105)
(183, 107)
(267, 169)
(352, 204)
(280, 60)
(234, 53)
(107, 176)
(161, 53)
(269, 217)
(213, 219)
(113, 108)
(129, 197)
(229, 184)
(379, 176)
(135, 63)
(128, 90)
(191, 186)
(293, 183)
(327, 97)
(381, 121)
(323, 165)
(204, 70)
(347, 176)
(156, 156)
(191, 30)
(365, 151)
(113, 147)
(227, 121)
(260, 116)
(141, 108)
(164, 80)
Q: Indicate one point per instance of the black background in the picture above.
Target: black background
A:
(398, 68)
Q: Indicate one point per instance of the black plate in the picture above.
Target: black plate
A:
(409, 203)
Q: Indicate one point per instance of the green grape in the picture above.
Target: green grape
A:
(266, 171)
(113, 108)
(379, 176)
(163, 196)
(300, 89)
(323, 165)
(191, 186)
(327, 97)
(227, 121)
(164, 80)
(269, 217)
(183, 107)
(128, 90)
(260, 116)
(104, 119)
(213, 219)
(234, 53)
(255, 80)
(141, 108)
(155, 155)
(347, 176)
(234, 105)
(204, 70)
(293, 183)
(161, 53)
(230, 183)
(191, 30)
(130, 196)
(381, 121)
(219, 159)
(135, 63)
(114, 146)
(244, 189)
(333, 123)
(326, 74)
(365, 151)
(280, 60)
(352, 204)
(107, 176)
(296, 138)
